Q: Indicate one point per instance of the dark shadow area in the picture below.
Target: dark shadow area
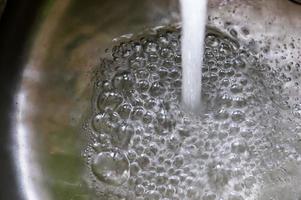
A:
(296, 1)
(15, 25)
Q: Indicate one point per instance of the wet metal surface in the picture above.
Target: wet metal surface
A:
(68, 40)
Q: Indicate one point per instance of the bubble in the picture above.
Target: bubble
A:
(109, 99)
(297, 110)
(163, 41)
(238, 146)
(157, 89)
(161, 189)
(143, 161)
(123, 80)
(233, 32)
(105, 122)
(124, 110)
(166, 53)
(211, 40)
(138, 113)
(134, 169)
(163, 73)
(245, 31)
(142, 74)
(238, 116)
(103, 145)
(150, 186)
(106, 86)
(178, 161)
(174, 74)
(236, 88)
(225, 82)
(151, 47)
(173, 143)
(136, 63)
(249, 182)
(98, 122)
(218, 176)
(222, 114)
(239, 102)
(225, 99)
(153, 195)
(170, 191)
(152, 57)
(111, 167)
(225, 48)
(174, 180)
(139, 190)
(239, 63)
(143, 86)
(148, 117)
(161, 179)
(123, 135)
(246, 133)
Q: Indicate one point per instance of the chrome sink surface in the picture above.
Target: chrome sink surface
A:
(67, 41)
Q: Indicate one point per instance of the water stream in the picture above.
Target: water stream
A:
(194, 17)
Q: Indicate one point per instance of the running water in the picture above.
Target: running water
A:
(143, 145)
(194, 15)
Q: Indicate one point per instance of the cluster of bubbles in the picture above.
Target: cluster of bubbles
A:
(143, 146)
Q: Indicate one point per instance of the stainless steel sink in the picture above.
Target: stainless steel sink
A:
(50, 96)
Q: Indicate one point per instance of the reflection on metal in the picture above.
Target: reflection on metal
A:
(25, 155)
(31, 179)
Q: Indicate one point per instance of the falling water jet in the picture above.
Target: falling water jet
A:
(194, 17)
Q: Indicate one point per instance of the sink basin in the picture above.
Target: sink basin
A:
(49, 52)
